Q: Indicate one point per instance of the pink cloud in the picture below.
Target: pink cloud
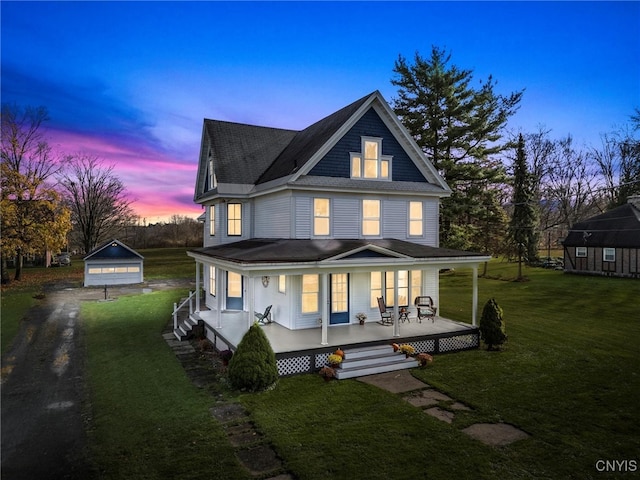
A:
(160, 185)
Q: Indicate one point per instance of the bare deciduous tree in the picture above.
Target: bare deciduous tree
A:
(99, 204)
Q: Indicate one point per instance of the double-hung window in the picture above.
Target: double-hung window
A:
(321, 217)
(608, 254)
(234, 219)
(581, 251)
(370, 217)
(369, 163)
(415, 219)
(310, 293)
(212, 220)
(212, 281)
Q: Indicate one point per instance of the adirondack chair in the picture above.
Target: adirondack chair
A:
(264, 318)
(425, 307)
(386, 316)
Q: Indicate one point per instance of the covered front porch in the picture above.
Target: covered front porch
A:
(300, 351)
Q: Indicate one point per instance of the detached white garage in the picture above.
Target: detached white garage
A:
(113, 264)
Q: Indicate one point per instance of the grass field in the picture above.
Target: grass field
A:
(568, 375)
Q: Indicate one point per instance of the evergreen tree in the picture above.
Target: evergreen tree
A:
(523, 228)
(492, 329)
(459, 128)
(253, 366)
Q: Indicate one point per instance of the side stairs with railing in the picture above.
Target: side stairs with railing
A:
(184, 317)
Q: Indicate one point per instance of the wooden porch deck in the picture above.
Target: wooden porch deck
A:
(301, 350)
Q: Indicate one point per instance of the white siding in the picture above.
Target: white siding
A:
(394, 218)
(272, 216)
(302, 224)
(346, 217)
(431, 219)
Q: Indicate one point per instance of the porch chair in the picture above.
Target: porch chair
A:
(425, 307)
(386, 316)
(264, 318)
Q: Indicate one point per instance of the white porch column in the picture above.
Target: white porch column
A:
(198, 268)
(474, 297)
(396, 310)
(324, 299)
(219, 293)
(251, 292)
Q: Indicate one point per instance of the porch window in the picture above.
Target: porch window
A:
(212, 220)
(370, 217)
(415, 219)
(212, 281)
(409, 287)
(234, 219)
(310, 293)
(282, 283)
(608, 254)
(581, 251)
(369, 163)
(321, 216)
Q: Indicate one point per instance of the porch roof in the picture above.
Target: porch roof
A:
(288, 253)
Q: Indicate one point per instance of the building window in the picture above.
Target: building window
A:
(282, 283)
(370, 163)
(310, 293)
(212, 174)
(415, 219)
(409, 287)
(234, 219)
(212, 281)
(212, 220)
(321, 216)
(608, 254)
(370, 217)
(581, 251)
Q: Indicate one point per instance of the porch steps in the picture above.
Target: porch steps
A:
(359, 362)
(185, 326)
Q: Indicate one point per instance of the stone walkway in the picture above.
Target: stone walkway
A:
(443, 407)
(251, 448)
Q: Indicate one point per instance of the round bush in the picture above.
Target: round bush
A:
(253, 365)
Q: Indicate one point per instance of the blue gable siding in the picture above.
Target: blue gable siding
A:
(114, 251)
(336, 163)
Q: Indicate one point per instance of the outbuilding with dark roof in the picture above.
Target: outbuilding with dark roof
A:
(113, 263)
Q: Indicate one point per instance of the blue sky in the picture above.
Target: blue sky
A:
(131, 82)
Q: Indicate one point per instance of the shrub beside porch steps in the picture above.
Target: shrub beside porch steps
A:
(362, 361)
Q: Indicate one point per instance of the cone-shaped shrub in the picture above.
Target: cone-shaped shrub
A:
(253, 365)
(492, 327)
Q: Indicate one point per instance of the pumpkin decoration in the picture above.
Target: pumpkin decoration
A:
(339, 352)
(395, 346)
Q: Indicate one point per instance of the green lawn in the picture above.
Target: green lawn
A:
(569, 376)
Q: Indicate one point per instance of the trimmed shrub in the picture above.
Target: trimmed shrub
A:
(492, 328)
(253, 365)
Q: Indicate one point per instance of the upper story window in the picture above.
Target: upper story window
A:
(415, 219)
(370, 217)
(212, 220)
(213, 183)
(234, 219)
(370, 163)
(321, 216)
(609, 254)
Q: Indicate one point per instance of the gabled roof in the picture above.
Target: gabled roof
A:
(113, 249)
(619, 227)
(249, 156)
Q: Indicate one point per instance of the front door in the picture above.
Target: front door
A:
(234, 291)
(339, 299)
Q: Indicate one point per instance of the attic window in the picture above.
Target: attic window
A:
(369, 163)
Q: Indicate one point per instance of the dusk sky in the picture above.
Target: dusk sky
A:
(131, 82)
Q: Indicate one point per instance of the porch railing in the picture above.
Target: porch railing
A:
(190, 300)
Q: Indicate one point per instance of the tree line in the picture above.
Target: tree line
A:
(52, 201)
(511, 192)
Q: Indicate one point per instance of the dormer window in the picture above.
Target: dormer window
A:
(370, 163)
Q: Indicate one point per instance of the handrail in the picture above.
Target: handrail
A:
(177, 308)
